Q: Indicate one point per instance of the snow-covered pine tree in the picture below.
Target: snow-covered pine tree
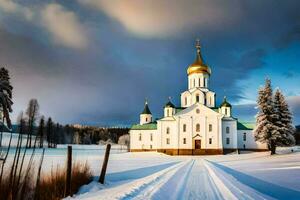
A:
(5, 95)
(266, 131)
(283, 121)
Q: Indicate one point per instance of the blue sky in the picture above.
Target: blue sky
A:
(95, 61)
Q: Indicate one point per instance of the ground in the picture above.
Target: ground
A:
(157, 176)
(151, 175)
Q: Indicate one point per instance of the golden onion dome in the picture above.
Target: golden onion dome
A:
(198, 66)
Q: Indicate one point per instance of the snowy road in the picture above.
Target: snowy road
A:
(250, 176)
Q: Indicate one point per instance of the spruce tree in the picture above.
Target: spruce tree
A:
(266, 131)
(283, 120)
(5, 96)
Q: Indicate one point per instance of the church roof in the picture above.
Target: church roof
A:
(146, 109)
(169, 104)
(245, 125)
(225, 103)
(149, 126)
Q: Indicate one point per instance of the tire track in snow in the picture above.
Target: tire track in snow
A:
(148, 188)
(174, 187)
(230, 187)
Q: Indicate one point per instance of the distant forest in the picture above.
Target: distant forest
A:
(69, 134)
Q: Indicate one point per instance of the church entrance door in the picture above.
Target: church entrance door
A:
(197, 144)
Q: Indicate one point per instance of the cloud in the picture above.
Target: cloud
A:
(288, 38)
(64, 26)
(168, 17)
(14, 8)
(247, 112)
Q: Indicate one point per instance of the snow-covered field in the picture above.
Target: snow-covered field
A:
(152, 175)
(158, 176)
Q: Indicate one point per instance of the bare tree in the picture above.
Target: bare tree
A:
(32, 114)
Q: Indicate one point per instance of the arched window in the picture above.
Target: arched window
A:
(225, 111)
(199, 83)
(146, 119)
(197, 127)
(210, 127)
(244, 137)
(197, 98)
(151, 137)
(140, 137)
(168, 130)
(168, 113)
(194, 82)
(185, 101)
(184, 127)
(227, 129)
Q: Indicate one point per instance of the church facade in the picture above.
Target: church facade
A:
(198, 126)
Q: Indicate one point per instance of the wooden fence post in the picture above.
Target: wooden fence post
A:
(104, 165)
(68, 173)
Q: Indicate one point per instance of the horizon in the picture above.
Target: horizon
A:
(87, 63)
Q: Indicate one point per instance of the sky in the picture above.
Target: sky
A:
(95, 62)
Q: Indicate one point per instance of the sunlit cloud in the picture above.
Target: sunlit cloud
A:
(63, 26)
(168, 17)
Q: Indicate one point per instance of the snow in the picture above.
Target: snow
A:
(151, 175)
(244, 176)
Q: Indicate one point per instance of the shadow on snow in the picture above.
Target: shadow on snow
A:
(261, 186)
(137, 173)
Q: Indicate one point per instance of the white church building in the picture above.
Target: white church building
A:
(198, 126)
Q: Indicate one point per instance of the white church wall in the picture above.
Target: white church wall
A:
(145, 142)
(229, 133)
(250, 142)
(145, 118)
(210, 99)
(186, 99)
(168, 134)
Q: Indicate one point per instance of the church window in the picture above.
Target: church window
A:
(227, 140)
(227, 129)
(210, 140)
(185, 101)
(168, 130)
(146, 119)
(244, 146)
(184, 140)
(168, 140)
(210, 127)
(150, 146)
(168, 113)
(225, 111)
(199, 82)
(140, 137)
(204, 82)
(151, 137)
(209, 100)
(197, 98)
(184, 128)
(194, 83)
(244, 137)
(197, 111)
(197, 127)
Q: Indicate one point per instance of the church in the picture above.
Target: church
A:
(198, 126)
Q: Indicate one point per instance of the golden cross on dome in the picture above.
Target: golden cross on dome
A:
(146, 101)
(198, 46)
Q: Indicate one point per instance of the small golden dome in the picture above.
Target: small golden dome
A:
(198, 66)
